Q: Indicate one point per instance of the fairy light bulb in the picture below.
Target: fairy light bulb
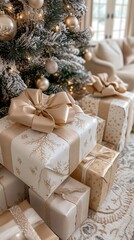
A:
(29, 58)
(57, 28)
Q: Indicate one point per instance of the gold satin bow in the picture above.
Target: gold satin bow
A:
(42, 112)
(102, 85)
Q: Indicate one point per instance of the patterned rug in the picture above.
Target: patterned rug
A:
(115, 220)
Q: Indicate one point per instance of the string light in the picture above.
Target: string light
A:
(57, 28)
(29, 58)
(11, 69)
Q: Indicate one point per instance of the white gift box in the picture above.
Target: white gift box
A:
(66, 209)
(42, 160)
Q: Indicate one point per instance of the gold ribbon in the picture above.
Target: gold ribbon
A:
(2, 185)
(67, 194)
(23, 223)
(103, 154)
(103, 86)
(41, 112)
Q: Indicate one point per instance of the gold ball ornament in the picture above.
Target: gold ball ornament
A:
(42, 83)
(36, 3)
(8, 27)
(72, 23)
(87, 55)
(51, 66)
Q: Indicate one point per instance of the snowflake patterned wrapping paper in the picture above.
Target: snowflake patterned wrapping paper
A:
(12, 190)
(97, 171)
(117, 111)
(42, 160)
(66, 209)
(21, 222)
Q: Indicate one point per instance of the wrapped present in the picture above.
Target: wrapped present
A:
(44, 160)
(109, 145)
(117, 111)
(97, 171)
(100, 129)
(12, 190)
(22, 222)
(66, 209)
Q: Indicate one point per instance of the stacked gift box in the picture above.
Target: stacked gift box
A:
(44, 162)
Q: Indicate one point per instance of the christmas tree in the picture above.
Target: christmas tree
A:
(42, 46)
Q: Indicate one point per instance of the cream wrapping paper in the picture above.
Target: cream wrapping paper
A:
(12, 190)
(98, 173)
(119, 119)
(10, 230)
(61, 215)
(42, 160)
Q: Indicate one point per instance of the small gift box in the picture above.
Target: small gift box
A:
(44, 160)
(117, 111)
(97, 171)
(12, 190)
(66, 209)
(22, 222)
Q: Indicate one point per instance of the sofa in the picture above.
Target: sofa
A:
(114, 57)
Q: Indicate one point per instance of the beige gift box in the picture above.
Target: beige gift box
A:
(97, 171)
(66, 209)
(23, 223)
(12, 190)
(118, 112)
(43, 161)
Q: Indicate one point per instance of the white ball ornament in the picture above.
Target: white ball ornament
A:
(8, 27)
(51, 66)
(36, 3)
(42, 83)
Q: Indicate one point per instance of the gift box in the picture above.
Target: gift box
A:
(43, 161)
(117, 111)
(100, 129)
(22, 222)
(12, 190)
(97, 171)
(66, 209)
(109, 145)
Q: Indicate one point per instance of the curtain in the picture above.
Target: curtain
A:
(130, 19)
(86, 20)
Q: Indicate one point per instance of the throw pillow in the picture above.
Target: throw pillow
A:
(128, 49)
(109, 50)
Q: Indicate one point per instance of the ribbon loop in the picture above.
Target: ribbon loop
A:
(103, 86)
(41, 112)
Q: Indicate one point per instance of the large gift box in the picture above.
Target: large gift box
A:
(22, 222)
(66, 209)
(43, 161)
(97, 171)
(12, 190)
(118, 112)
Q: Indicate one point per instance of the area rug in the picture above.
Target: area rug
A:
(115, 219)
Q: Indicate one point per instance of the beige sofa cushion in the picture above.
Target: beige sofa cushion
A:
(109, 50)
(128, 50)
(127, 75)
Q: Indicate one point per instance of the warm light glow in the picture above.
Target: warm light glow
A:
(84, 88)
(68, 7)
(10, 7)
(57, 28)
(69, 82)
(29, 58)
(11, 69)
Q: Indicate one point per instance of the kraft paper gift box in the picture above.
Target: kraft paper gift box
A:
(97, 171)
(43, 161)
(12, 190)
(117, 111)
(66, 209)
(21, 222)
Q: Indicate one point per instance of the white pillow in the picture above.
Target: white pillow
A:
(128, 49)
(110, 51)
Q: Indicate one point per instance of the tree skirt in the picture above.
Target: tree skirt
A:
(115, 219)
